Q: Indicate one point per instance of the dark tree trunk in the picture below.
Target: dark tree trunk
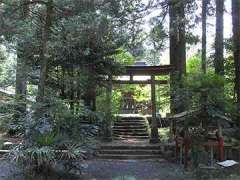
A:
(21, 80)
(63, 94)
(89, 96)
(204, 37)
(173, 49)
(182, 40)
(72, 88)
(173, 33)
(177, 49)
(236, 47)
(26, 8)
(219, 58)
(44, 59)
(21, 69)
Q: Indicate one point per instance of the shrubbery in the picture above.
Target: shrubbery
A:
(53, 135)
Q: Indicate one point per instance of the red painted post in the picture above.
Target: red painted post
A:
(221, 148)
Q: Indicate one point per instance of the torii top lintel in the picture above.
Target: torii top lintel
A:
(148, 70)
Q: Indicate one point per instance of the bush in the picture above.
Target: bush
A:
(200, 90)
(11, 118)
(55, 136)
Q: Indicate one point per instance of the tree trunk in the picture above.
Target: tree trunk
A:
(204, 37)
(219, 58)
(173, 33)
(236, 43)
(182, 40)
(21, 80)
(44, 58)
(177, 49)
(26, 8)
(21, 73)
(173, 49)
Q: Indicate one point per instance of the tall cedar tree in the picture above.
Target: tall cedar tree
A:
(236, 42)
(219, 58)
(21, 73)
(204, 37)
(182, 39)
(44, 60)
(177, 47)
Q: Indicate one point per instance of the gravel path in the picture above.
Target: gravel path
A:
(7, 169)
(132, 170)
(117, 170)
(123, 170)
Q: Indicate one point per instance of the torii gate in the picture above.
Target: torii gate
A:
(132, 71)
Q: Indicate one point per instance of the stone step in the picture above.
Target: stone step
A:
(129, 130)
(131, 133)
(130, 151)
(131, 147)
(128, 157)
(122, 137)
(130, 127)
(129, 123)
(131, 118)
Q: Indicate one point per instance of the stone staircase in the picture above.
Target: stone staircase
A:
(130, 141)
(130, 127)
(127, 151)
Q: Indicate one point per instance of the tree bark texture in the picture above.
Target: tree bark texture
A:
(236, 43)
(44, 58)
(177, 48)
(21, 73)
(204, 37)
(219, 57)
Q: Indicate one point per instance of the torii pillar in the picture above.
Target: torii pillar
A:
(154, 125)
(108, 119)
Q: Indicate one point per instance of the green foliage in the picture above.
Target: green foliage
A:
(33, 157)
(7, 69)
(158, 35)
(124, 58)
(2, 60)
(212, 83)
(230, 78)
(11, 118)
(194, 64)
(46, 139)
(116, 100)
(59, 120)
(55, 135)
(152, 58)
(199, 82)
(141, 93)
(102, 104)
(207, 90)
(87, 39)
